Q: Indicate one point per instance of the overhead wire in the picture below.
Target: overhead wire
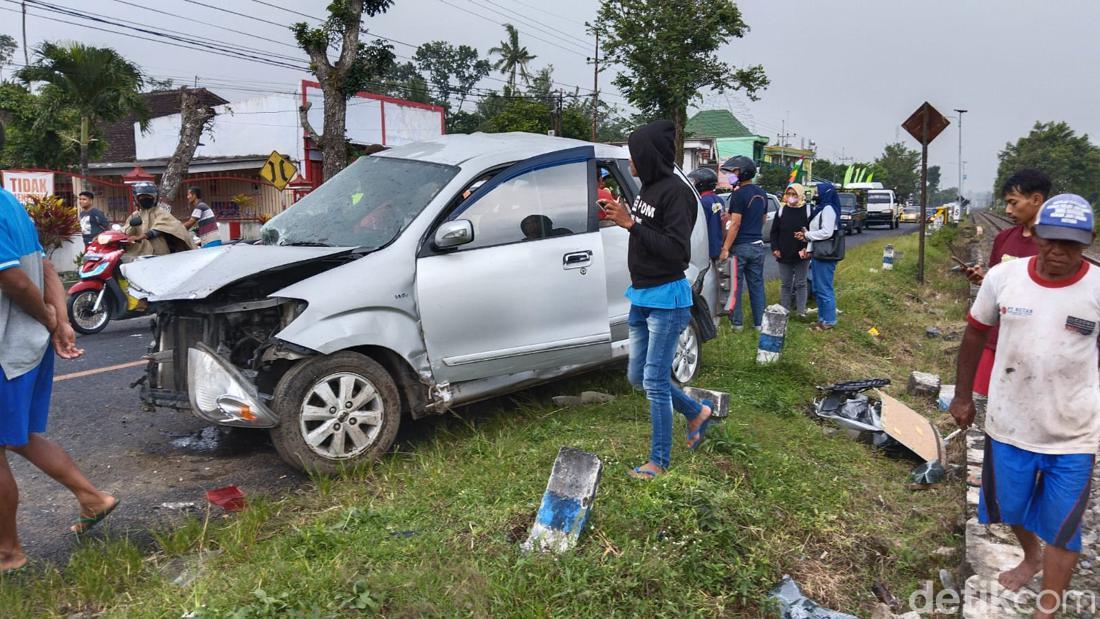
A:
(195, 47)
(544, 28)
(194, 42)
(205, 23)
(493, 21)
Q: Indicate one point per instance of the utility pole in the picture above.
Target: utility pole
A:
(960, 113)
(596, 86)
(557, 114)
(26, 54)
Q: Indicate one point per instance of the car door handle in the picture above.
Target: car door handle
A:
(576, 259)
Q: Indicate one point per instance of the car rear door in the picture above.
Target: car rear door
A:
(528, 293)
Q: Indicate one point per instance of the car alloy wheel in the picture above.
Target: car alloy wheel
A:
(341, 416)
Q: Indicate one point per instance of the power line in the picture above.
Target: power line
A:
(541, 27)
(239, 51)
(493, 21)
(551, 14)
(194, 47)
(204, 23)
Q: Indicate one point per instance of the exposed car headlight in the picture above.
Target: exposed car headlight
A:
(221, 395)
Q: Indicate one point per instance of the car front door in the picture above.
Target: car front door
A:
(528, 292)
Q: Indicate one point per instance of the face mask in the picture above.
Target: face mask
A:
(145, 201)
(792, 200)
(732, 178)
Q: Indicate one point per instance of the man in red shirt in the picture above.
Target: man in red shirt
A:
(1024, 194)
(603, 194)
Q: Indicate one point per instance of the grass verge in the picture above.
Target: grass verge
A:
(434, 528)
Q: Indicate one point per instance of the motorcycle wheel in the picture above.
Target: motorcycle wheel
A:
(81, 316)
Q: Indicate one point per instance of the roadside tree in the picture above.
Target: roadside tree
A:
(357, 66)
(453, 71)
(668, 49)
(1071, 160)
(97, 82)
(898, 168)
(512, 58)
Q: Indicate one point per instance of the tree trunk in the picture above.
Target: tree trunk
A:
(85, 129)
(194, 118)
(679, 117)
(333, 141)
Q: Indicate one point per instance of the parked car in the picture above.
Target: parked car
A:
(773, 209)
(853, 213)
(911, 215)
(419, 278)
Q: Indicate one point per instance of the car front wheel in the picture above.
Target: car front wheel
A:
(335, 412)
(688, 357)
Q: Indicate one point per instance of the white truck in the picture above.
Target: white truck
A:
(883, 207)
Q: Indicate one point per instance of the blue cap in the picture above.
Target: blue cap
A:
(1066, 217)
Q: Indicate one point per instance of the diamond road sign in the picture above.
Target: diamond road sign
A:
(278, 170)
(915, 124)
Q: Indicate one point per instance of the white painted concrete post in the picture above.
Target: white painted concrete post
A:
(772, 334)
(888, 258)
(567, 502)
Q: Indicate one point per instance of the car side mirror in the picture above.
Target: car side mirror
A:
(453, 234)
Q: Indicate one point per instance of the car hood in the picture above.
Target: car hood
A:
(197, 274)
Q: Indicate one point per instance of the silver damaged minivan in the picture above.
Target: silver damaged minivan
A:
(419, 278)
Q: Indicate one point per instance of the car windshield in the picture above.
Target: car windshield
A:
(847, 200)
(366, 205)
(878, 198)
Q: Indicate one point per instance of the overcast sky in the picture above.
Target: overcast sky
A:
(844, 73)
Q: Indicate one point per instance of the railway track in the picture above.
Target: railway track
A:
(999, 222)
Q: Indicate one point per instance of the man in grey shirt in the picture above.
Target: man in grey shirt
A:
(32, 317)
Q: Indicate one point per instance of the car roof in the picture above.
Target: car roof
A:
(483, 150)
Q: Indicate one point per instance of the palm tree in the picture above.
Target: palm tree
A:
(514, 58)
(96, 82)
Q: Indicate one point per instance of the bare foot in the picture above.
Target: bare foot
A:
(1015, 578)
(97, 509)
(696, 423)
(12, 561)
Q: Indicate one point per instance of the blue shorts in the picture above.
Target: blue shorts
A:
(1045, 493)
(25, 403)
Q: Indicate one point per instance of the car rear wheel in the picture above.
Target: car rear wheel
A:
(688, 357)
(82, 314)
(335, 412)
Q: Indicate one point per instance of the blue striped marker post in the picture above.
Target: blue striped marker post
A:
(567, 502)
(772, 334)
(888, 258)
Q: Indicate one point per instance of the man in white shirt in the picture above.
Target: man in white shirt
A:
(1043, 422)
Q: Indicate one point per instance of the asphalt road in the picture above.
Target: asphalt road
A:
(147, 459)
(151, 460)
(771, 268)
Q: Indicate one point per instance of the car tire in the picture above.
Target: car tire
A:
(86, 325)
(327, 382)
(688, 357)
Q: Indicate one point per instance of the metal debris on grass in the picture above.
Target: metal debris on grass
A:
(794, 605)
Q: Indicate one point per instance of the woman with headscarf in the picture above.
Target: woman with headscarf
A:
(790, 251)
(824, 225)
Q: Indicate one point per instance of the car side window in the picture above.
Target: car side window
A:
(539, 204)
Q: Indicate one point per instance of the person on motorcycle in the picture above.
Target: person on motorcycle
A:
(152, 228)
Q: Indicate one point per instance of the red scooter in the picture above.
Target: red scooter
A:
(101, 294)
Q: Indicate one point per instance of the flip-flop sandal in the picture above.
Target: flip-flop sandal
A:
(643, 474)
(16, 571)
(696, 438)
(85, 523)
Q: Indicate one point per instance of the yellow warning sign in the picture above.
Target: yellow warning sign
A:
(278, 170)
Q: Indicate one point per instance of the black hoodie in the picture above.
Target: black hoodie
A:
(664, 211)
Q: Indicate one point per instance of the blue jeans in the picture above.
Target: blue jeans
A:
(653, 337)
(750, 271)
(823, 273)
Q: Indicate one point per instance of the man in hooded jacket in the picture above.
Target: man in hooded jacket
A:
(660, 223)
(153, 230)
